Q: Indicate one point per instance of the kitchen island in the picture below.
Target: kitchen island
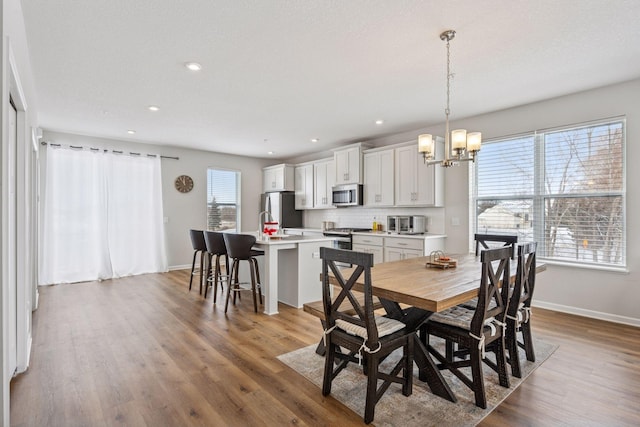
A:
(290, 270)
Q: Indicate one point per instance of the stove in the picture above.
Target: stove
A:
(344, 231)
(343, 236)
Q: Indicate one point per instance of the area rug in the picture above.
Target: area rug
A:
(421, 408)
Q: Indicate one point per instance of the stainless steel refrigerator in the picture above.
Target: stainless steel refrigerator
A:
(281, 205)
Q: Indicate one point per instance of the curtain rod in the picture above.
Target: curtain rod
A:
(106, 150)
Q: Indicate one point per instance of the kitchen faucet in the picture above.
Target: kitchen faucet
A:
(261, 224)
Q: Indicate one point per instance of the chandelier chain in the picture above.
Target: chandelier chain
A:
(447, 110)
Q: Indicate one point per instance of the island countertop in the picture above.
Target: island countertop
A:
(290, 238)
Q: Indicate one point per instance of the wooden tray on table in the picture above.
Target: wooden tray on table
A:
(438, 259)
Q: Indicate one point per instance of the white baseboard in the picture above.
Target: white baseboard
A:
(588, 313)
(180, 267)
(23, 368)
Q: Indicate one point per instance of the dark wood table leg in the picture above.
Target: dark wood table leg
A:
(429, 372)
(414, 317)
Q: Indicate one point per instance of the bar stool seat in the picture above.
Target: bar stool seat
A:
(216, 248)
(199, 246)
(239, 248)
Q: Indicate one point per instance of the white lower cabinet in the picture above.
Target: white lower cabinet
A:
(398, 248)
(386, 248)
(371, 245)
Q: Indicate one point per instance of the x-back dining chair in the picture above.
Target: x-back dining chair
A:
(363, 335)
(476, 330)
(484, 240)
(518, 317)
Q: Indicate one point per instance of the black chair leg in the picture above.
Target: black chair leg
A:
(202, 266)
(258, 282)
(528, 341)
(253, 285)
(216, 278)
(230, 286)
(372, 389)
(193, 267)
(207, 276)
(501, 363)
(512, 347)
(478, 380)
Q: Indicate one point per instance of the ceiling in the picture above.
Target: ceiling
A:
(278, 73)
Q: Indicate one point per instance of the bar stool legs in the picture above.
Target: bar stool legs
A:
(234, 284)
(199, 246)
(198, 270)
(215, 276)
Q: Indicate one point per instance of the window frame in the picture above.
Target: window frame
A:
(238, 196)
(540, 196)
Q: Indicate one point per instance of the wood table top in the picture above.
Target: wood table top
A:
(411, 282)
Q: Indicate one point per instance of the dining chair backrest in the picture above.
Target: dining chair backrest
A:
(525, 277)
(505, 239)
(343, 304)
(496, 270)
(215, 242)
(239, 245)
(197, 240)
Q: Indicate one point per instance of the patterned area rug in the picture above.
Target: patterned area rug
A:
(422, 407)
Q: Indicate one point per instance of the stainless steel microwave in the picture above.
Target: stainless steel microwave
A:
(409, 224)
(347, 195)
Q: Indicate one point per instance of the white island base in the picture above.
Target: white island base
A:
(293, 265)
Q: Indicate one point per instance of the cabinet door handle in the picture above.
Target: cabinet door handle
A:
(402, 244)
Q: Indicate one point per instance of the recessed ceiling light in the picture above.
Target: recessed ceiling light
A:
(379, 122)
(131, 132)
(193, 66)
(270, 153)
(154, 108)
(315, 140)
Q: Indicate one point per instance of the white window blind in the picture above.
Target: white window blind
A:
(223, 193)
(564, 188)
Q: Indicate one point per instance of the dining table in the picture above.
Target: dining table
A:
(415, 288)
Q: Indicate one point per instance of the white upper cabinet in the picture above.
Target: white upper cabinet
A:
(278, 178)
(379, 178)
(304, 186)
(348, 165)
(417, 184)
(324, 175)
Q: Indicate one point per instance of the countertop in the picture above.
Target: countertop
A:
(404, 236)
(291, 238)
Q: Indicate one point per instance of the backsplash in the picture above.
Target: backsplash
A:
(364, 217)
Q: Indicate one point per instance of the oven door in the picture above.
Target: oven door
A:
(341, 242)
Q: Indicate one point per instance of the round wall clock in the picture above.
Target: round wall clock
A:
(184, 183)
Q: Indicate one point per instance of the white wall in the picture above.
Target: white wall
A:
(595, 293)
(183, 211)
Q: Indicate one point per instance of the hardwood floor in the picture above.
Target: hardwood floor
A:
(144, 351)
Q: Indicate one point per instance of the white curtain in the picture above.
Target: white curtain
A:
(102, 216)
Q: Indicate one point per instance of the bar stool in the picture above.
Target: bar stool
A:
(199, 245)
(216, 247)
(239, 249)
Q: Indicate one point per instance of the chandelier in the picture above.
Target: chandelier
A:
(459, 146)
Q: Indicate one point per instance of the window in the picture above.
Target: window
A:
(223, 193)
(564, 188)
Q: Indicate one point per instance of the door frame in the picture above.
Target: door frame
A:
(17, 254)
